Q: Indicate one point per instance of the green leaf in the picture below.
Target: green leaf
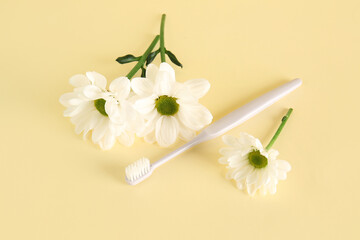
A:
(173, 58)
(151, 57)
(143, 72)
(127, 59)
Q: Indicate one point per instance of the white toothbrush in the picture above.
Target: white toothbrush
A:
(142, 169)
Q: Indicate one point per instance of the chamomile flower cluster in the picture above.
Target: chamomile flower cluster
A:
(154, 106)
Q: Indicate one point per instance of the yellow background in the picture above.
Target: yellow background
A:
(54, 185)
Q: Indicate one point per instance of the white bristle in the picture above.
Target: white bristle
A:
(137, 169)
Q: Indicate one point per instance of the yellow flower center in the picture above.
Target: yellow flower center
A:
(166, 105)
(257, 160)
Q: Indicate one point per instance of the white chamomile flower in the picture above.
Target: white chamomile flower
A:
(170, 108)
(107, 113)
(252, 166)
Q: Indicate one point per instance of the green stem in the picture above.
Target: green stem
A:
(162, 42)
(143, 58)
(276, 135)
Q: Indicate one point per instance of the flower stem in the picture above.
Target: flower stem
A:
(162, 41)
(276, 135)
(143, 58)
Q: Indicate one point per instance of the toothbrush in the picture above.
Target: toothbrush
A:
(142, 169)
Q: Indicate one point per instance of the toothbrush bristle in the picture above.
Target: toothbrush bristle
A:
(137, 169)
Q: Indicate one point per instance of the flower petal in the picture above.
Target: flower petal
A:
(70, 99)
(253, 177)
(145, 105)
(164, 84)
(166, 130)
(150, 138)
(142, 86)
(198, 87)
(112, 109)
(194, 116)
(243, 172)
(231, 141)
(283, 165)
(100, 130)
(79, 80)
(92, 92)
(108, 141)
(185, 133)
(97, 79)
(151, 72)
(121, 87)
(165, 67)
(126, 138)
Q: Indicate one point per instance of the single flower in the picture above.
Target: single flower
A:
(252, 166)
(170, 108)
(108, 114)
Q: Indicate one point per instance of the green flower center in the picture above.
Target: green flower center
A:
(257, 160)
(166, 105)
(100, 106)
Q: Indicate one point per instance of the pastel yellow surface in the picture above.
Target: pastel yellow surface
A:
(54, 185)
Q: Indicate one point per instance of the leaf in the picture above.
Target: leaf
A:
(152, 56)
(127, 59)
(173, 58)
(143, 72)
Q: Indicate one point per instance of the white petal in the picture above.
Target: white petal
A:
(150, 138)
(272, 187)
(273, 154)
(121, 87)
(231, 141)
(134, 121)
(79, 80)
(142, 86)
(97, 79)
(198, 87)
(243, 172)
(166, 130)
(240, 185)
(251, 189)
(100, 130)
(164, 85)
(70, 99)
(194, 116)
(92, 92)
(145, 105)
(253, 177)
(281, 175)
(167, 68)
(112, 108)
(185, 133)
(151, 72)
(283, 165)
(223, 160)
(127, 139)
(228, 152)
(108, 141)
(247, 141)
(150, 124)
(237, 161)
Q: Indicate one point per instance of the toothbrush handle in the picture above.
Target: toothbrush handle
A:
(250, 109)
(198, 139)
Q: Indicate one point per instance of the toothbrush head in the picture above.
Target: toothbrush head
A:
(138, 171)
